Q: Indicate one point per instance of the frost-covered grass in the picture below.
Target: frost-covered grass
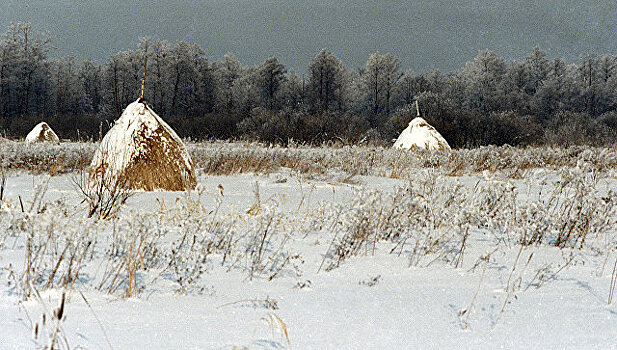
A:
(308, 251)
(50, 158)
(224, 158)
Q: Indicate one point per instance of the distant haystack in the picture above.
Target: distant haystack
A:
(142, 152)
(419, 134)
(42, 133)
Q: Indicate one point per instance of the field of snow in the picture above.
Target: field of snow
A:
(305, 260)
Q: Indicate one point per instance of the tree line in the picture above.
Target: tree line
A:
(489, 101)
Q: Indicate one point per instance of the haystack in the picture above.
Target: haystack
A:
(143, 152)
(420, 134)
(42, 133)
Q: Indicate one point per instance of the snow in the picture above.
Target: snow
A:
(371, 301)
(42, 132)
(419, 134)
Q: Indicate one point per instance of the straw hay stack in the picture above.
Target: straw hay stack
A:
(143, 152)
(42, 133)
(419, 134)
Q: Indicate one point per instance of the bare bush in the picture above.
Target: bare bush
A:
(104, 196)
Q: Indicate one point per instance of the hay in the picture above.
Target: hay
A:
(42, 133)
(143, 152)
(420, 134)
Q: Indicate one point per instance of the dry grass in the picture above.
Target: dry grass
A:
(275, 322)
(46, 158)
(219, 158)
(611, 289)
(49, 329)
(104, 196)
(2, 183)
(225, 158)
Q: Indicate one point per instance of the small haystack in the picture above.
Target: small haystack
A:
(42, 133)
(420, 134)
(142, 152)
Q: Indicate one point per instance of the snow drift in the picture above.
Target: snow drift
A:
(420, 134)
(143, 152)
(42, 133)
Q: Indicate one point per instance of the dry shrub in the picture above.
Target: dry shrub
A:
(104, 196)
(417, 219)
(573, 211)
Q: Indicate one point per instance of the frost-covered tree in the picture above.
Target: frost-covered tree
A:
(157, 84)
(69, 93)
(23, 71)
(560, 91)
(378, 80)
(91, 76)
(515, 87)
(245, 92)
(185, 63)
(293, 91)
(408, 87)
(228, 70)
(484, 78)
(537, 68)
(326, 83)
(270, 79)
(597, 82)
(122, 81)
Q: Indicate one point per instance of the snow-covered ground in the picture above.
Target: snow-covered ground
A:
(450, 273)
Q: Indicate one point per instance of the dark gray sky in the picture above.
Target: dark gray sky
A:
(425, 34)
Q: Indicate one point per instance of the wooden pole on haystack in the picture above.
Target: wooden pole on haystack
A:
(417, 108)
(143, 80)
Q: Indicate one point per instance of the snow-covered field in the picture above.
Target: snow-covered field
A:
(328, 261)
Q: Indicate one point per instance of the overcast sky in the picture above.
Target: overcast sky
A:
(425, 34)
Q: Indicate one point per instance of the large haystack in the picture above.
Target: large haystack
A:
(42, 133)
(142, 152)
(419, 134)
